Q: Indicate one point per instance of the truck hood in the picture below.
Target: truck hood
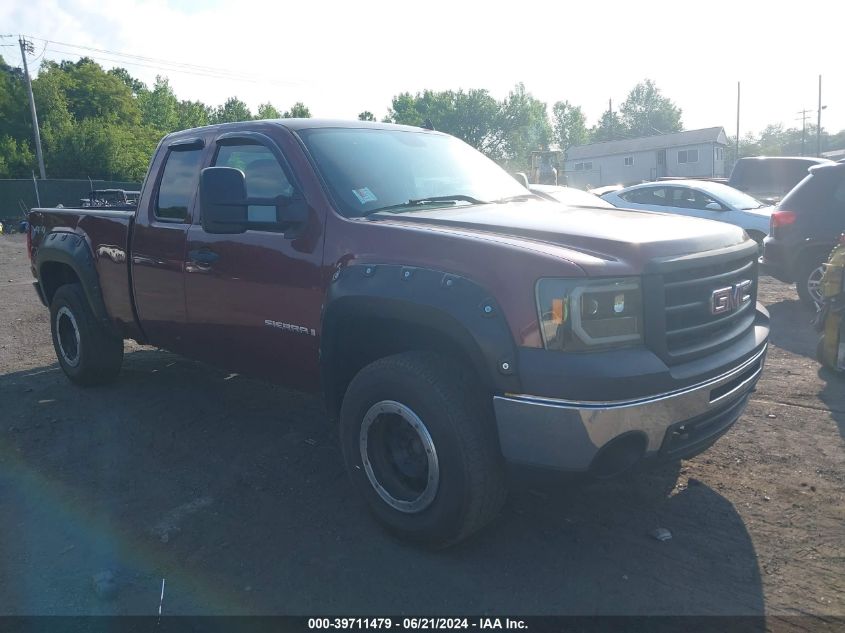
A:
(588, 236)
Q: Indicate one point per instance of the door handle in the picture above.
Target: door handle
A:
(203, 256)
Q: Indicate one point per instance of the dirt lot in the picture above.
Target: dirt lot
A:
(233, 490)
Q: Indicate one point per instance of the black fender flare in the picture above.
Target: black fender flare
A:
(72, 250)
(451, 305)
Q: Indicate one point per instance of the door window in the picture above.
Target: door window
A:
(692, 199)
(647, 195)
(264, 177)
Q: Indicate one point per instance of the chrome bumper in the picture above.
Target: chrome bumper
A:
(568, 435)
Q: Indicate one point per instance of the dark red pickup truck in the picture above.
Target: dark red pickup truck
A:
(454, 322)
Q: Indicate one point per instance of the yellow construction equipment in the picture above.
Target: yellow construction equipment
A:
(830, 351)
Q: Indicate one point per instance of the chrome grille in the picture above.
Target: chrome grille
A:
(692, 330)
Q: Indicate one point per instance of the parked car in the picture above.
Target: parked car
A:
(805, 227)
(568, 196)
(452, 322)
(700, 199)
(770, 178)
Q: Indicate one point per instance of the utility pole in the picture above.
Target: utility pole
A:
(26, 47)
(736, 158)
(819, 122)
(803, 114)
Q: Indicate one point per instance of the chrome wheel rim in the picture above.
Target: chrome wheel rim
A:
(399, 457)
(67, 336)
(814, 282)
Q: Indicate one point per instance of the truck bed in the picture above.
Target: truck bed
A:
(107, 233)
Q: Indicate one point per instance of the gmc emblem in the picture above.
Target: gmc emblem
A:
(729, 299)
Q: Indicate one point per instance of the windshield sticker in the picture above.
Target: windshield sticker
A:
(364, 195)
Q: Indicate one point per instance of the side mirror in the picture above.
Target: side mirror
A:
(223, 201)
(714, 206)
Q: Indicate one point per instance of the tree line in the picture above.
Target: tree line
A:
(105, 123)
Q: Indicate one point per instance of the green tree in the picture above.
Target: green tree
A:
(91, 92)
(159, 106)
(99, 148)
(525, 125)
(569, 125)
(646, 112)
(193, 114)
(233, 110)
(14, 116)
(609, 128)
(136, 86)
(297, 111)
(16, 159)
(366, 115)
(506, 130)
(267, 111)
(403, 109)
(473, 116)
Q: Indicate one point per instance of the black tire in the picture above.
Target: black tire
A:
(809, 270)
(470, 487)
(87, 351)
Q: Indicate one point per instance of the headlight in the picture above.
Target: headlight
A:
(581, 315)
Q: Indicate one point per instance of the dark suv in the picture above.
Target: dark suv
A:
(770, 178)
(804, 229)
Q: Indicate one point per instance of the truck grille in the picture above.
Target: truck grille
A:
(692, 329)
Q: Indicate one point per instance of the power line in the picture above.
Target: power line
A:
(165, 69)
(133, 56)
(43, 50)
(161, 64)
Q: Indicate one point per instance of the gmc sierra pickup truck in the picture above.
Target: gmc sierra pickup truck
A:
(454, 323)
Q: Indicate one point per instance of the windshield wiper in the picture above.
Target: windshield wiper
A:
(414, 202)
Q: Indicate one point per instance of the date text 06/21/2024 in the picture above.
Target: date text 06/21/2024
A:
(424, 623)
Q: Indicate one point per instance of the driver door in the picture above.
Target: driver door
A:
(253, 299)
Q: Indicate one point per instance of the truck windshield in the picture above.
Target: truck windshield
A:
(368, 169)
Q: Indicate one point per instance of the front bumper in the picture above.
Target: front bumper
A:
(569, 435)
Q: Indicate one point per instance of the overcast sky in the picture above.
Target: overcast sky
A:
(344, 57)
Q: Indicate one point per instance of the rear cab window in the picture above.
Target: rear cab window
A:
(178, 185)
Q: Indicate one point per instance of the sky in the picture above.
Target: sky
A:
(341, 58)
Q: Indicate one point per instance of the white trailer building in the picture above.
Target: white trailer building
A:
(692, 153)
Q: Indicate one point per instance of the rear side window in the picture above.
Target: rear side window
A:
(647, 195)
(823, 192)
(178, 185)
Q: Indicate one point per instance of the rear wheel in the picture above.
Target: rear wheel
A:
(87, 352)
(809, 277)
(418, 445)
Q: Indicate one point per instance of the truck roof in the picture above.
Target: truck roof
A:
(303, 124)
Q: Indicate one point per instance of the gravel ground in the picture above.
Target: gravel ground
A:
(233, 490)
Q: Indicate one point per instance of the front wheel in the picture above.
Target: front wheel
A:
(87, 352)
(418, 445)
